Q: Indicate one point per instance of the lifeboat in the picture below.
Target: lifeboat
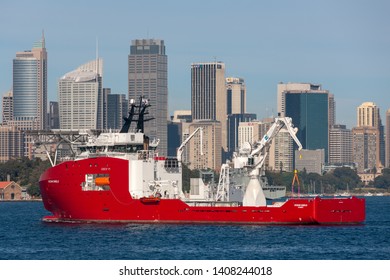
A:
(102, 181)
(150, 200)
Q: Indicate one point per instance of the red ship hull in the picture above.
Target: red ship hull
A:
(62, 194)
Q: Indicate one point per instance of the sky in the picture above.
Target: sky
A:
(342, 45)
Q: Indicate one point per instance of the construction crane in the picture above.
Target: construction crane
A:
(254, 195)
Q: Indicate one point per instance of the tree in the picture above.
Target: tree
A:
(25, 172)
(383, 181)
(338, 179)
(34, 191)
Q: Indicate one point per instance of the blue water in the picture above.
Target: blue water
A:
(24, 236)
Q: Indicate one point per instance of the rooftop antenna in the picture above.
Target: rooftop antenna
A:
(97, 58)
(43, 38)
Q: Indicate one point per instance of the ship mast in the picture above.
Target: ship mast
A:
(143, 104)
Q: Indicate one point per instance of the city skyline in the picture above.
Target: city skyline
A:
(338, 45)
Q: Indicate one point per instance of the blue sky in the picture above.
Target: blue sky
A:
(343, 45)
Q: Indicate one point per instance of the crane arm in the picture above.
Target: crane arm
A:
(260, 152)
(181, 148)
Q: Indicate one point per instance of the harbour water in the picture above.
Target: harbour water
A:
(25, 237)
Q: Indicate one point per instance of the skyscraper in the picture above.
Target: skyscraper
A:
(117, 109)
(297, 87)
(236, 96)
(178, 129)
(80, 95)
(248, 132)
(106, 93)
(281, 153)
(340, 145)
(211, 158)
(233, 123)
(11, 143)
(365, 148)
(309, 113)
(148, 76)
(368, 116)
(387, 164)
(332, 111)
(208, 95)
(54, 117)
(30, 87)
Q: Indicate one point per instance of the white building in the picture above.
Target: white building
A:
(80, 97)
(248, 132)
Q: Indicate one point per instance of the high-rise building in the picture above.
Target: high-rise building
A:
(208, 95)
(332, 110)
(117, 109)
(297, 87)
(30, 87)
(236, 96)
(368, 115)
(236, 112)
(11, 143)
(7, 107)
(365, 148)
(281, 152)
(174, 137)
(387, 138)
(106, 93)
(54, 117)
(248, 132)
(80, 95)
(211, 146)
(178, 131)
(340, 145)
(264, 126)
(309, 111)
(233, 123)
(182, 116)
(148, 76)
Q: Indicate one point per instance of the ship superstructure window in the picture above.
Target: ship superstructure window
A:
(171, 163)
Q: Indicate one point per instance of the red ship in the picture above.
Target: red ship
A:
(119, 177)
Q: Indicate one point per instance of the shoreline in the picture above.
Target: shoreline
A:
(22, 200)
(288, 195)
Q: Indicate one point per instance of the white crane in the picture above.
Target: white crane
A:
(254, 195)
(181, 148)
